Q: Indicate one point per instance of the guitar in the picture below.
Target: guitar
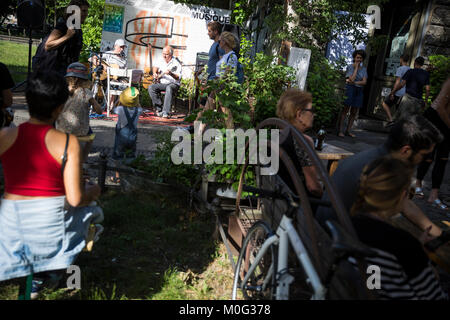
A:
(148, 79)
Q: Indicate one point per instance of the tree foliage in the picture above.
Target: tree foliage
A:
(439, 70)
(92, 27)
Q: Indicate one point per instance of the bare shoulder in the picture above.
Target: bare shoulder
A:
(7, 138)
(56, 143)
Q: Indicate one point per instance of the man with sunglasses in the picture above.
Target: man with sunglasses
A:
(409, 140)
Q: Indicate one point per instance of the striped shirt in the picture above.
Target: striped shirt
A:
(405, 270)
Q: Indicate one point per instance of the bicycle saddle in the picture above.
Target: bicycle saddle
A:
(343, 244)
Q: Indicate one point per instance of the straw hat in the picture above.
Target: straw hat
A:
(129, 97)
(77, 70)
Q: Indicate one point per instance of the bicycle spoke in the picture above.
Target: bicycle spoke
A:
(260, 282)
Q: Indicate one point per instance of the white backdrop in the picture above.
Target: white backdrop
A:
(160, 23)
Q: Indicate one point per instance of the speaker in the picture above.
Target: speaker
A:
(30, 14)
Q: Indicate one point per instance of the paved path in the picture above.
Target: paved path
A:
(104, 131)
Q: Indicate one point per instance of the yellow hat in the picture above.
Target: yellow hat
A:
(129, 97)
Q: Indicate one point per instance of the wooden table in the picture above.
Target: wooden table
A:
(333, 154)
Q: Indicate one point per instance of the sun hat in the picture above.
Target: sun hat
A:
(129, 97)
(77, 70)
(119, 42)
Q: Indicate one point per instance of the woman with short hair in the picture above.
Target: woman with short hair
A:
(295, 106)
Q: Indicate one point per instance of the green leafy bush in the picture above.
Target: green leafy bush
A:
(161, 166)
(439, 70)
(323, 82)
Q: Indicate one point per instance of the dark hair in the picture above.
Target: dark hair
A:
(45, 92)
(362, 53)
(416, 132)
(79, 3)
(215, 26)
(419, 61)
(405, 57)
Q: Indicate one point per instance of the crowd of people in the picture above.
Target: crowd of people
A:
(49, 205)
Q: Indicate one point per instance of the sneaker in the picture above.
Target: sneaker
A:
(36, 288)
(165, 115)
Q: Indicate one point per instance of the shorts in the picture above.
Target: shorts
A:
(393, 102)
(41, 235)
(353, 96)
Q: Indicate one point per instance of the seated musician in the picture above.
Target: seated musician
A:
(168, 79)
(115, 58)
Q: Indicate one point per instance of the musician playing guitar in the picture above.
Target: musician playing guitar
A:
(115, 56)
(168, 73)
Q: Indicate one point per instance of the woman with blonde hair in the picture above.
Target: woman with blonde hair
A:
(295, 106)
(406, 272)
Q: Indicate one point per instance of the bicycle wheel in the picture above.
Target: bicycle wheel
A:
(261, 283)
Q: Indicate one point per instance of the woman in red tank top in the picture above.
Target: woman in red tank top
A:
(44, 212)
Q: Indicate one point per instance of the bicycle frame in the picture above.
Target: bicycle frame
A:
(286, 233)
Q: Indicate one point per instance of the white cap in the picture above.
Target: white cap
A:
(119, 43)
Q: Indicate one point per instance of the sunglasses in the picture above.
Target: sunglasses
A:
(312, 110)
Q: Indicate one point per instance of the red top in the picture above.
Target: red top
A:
(28, 166)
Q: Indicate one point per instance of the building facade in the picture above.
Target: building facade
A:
(418, 28)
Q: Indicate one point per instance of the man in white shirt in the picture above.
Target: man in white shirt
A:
(169, 78)
(117, 55)
(113, 57)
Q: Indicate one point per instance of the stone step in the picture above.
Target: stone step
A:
(371, 125)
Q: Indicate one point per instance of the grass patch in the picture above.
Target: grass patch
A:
(152, 248)
(15, 57)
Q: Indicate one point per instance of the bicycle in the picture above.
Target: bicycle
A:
(263, 271)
